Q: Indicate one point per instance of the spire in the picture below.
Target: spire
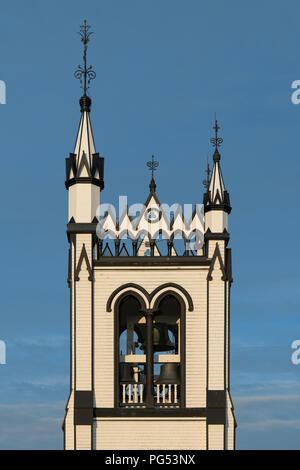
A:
(85, 142)
(84, 162)
(216, 196)
(152, 165)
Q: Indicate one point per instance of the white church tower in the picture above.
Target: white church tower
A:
(149, 313)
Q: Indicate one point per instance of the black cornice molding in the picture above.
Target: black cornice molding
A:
(152, 261)
(73, 227)
(85, 180)
(217, 207)
(216, 235)
(213, 415)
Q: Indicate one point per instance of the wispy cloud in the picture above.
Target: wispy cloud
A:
(266, 398)
(28, 426)
(271, 424)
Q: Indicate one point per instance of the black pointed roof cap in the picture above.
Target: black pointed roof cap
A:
(152, 185)
(216, 156)
(85, 103)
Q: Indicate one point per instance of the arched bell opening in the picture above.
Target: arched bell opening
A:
(130, 358)
(150, 367)
(168, 348)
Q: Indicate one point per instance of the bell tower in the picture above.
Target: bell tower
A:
(149, 311)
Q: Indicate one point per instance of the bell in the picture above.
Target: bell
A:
(161, 340)
(141, 331)
(126, 373)
(169, 374)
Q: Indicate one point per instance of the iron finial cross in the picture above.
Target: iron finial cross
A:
(216, 141)
(152, 165)
(85, 73)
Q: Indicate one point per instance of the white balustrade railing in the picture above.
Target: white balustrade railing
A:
(132, 393)
(167, 394)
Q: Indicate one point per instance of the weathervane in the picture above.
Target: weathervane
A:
(207, 171)
(216, 141)
(152, 165)
(85, 73)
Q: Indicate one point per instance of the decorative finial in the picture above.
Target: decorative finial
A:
(152, 165)
(85, 73)
(207, 171)
(216, 141)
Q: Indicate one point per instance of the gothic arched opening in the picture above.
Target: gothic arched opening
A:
(150, 346)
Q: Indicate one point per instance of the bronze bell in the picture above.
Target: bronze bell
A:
(161, 340)
(126, 373)
(169, 374)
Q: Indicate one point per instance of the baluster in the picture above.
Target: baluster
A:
(157, 393)
(141, 393)
(135, 393)
(129, 393)
(170, 393)
(164, 393)
(175, 393)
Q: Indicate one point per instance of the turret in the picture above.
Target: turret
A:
(84, 167)
(216, 199)
(216, 204)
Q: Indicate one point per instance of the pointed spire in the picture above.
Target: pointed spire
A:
(84, 143)
(216, 194)
(84, 162)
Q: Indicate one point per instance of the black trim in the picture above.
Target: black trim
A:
(148, 296)
(83, 416)
(149, 359)
(182, 339)
(125, 286)
(153, 261)
(216, 416)
(216, 398)
(74, 227)
(83, 399)
(116, 340)
(228, 264)
(209, 235)
(85, 180)
(75, 326)
(217, 207)
(217, 254)
(83, 163)
(213, 415)
(83, 255)
(149, 412)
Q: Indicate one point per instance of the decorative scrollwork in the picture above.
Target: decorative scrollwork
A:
(216, 141)
(85, 73)
(152, 165)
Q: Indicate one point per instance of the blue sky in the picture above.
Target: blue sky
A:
(163, 69)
